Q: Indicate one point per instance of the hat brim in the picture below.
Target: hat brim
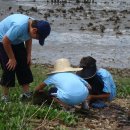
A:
(88, 72)
(70, 69)
(41, 41)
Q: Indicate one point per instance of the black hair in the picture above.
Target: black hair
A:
(34, 23)
(87, 62)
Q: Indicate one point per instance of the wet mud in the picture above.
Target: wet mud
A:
(100, 29)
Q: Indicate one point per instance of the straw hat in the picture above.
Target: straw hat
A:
(63, 65)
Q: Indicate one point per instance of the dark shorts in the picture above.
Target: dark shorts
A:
(22, 70)
(40, 97)
(52, 90)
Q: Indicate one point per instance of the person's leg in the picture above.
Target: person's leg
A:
(8, 77)
(23, 72)
(85, 105)
(66, 106)
(5, 91)
(25, 88)
(5, 97)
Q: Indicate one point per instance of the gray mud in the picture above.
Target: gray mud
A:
(100, 29)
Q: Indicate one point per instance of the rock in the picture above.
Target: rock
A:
(34, 9)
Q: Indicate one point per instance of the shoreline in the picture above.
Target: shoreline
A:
(121, 72)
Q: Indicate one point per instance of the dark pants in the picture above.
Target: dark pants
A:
(22, 70)
(40, 97)
(51, 91)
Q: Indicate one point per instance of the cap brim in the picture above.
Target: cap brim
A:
(41, 41)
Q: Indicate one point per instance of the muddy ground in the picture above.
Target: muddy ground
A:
(100, 29)
(113, 117)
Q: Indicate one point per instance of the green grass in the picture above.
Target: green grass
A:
(17, 115)
(123, 86)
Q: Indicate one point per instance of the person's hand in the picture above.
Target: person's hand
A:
(11, 64)
(89, 98)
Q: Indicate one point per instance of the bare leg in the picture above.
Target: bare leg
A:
(5, 91)
(61, 103)
(26, 88)
(5, 97)
(27, 95)
(85, 105)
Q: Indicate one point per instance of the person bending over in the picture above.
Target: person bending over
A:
(16, 34)
(101, 82)
(68, 89)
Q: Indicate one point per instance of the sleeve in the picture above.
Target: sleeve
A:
(14, 32)
(107, 85)
(104, 75)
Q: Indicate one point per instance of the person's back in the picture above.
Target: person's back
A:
(71, 88)
(109, 85)
(14, 19)
(15, 27)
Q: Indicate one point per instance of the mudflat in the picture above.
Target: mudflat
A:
(100, 29)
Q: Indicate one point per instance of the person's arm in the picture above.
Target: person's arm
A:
(8, 49)
(40, 86)
(102, 96)
(29, 50)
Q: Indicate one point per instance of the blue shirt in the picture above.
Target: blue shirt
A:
(15, 27)
(109, 85)
(72, 89)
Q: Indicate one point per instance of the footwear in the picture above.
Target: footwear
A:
(99, 104)
(26, 96)
(5, 99)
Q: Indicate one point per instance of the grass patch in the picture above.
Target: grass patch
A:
(17, 115)
(123, 86)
